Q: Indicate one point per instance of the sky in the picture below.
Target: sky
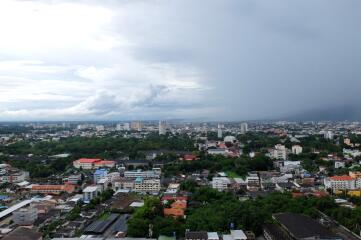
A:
(177, 59)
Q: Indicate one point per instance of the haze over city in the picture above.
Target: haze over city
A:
(213, 60)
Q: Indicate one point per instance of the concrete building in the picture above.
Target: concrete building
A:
(296, 149)
(340, 182)
(289, 166)
(123, 184)
(279, 152)
(119, 127)
(113, 176)
(162, 127)
(100, 128)
(221, 183)
(244, 128)
(358, 183)
(126, 126)
(73, 179)
(23, 233)
(25, 216)
(146, 185)
(9, 174)
(93, 163)
(298, 227)
(219, 131)
(339, 164)
(328, 135)
(217, 151)
(99, 174)
(253, 182)
(90, 192)
(142, 174)
(53, 189)
(137, 126)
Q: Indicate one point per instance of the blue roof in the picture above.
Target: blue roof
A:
(100, 171)
(2, 197)
(138, 179)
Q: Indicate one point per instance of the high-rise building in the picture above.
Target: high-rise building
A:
(244, 128)
(279, 152)
(136, 126)
(328, 135)
(162, 127)
(126, 126)
(219, 134)
(100, 128)
(296, 149)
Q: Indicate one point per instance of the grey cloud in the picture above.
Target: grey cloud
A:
(257, 58)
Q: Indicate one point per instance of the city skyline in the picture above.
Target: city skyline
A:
(145, 60)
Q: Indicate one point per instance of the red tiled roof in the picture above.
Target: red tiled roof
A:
(319, 194)
(173, 212)
(88, 160)
(297, 194)
(105, 162)
(67, 188)
(179, 204)
(167, 198)
(189, 157)
(342, 178)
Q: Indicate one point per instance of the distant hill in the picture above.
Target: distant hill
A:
(339, 113)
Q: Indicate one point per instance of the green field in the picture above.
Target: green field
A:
(231, 174)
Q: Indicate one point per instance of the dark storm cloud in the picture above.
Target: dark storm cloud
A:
(228, 59)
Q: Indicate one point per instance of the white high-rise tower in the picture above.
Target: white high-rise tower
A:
(219, 135)
(244, 128)
(162, 127)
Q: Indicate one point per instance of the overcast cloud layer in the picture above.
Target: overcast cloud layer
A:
(210, 59)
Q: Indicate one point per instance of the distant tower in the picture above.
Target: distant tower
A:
(126, 126)
(162, 127)
(219, 135)
(328, 135)
(244, 128)
(136, 126)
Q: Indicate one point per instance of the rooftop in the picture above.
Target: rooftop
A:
(301, 226)
(342, 178)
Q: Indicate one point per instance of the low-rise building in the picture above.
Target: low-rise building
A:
(296, 149)
(12, 175)
(235, 235)
(99, 174)
(173, 188)
(90, 193)
(25, 216)
(142, 174)
(93, 163)
(221, 183)
(23, 233)
(339, 164)
(344, 182)
(201, 235)
(73, 179)
(176, 209)
(146, 185)
(279, 152)
(253, 182)
(53, 189)
(123, 183)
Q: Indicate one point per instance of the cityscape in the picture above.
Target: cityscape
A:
(180, 120)
(181, 180)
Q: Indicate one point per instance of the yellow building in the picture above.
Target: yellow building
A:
(354, 193)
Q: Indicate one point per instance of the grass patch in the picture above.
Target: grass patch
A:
(231, 174)
(104, 216)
